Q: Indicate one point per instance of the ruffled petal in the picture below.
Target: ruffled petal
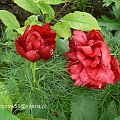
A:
(87, 50)
(45, 52)
(32, 56)
(105, 58)
(95, 35)
(115, 68)
(19, 49)
(87, 80)
(101, 75)
(71, 55)
(79, 37)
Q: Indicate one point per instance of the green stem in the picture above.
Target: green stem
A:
(35, 82)
(34, 74)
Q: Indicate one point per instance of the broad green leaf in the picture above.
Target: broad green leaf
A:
(33, 20)
(48, 10)
(110, 113)
(84, 108)
(62, 29)
(5, 115)
(5, 100)
(9, 19)
(53, 2)
(28, 5)
(81, 20)
(21, 30)
(62, 45)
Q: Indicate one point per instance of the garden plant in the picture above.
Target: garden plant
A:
(60, 66)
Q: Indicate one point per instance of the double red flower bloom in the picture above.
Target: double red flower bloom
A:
(90, 62)
(37, 43)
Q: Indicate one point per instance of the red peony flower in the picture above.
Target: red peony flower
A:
(89, 61)
(36, 43)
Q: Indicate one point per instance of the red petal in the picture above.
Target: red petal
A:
(79, 37)
(90, 81)
(76, 69)
(46, 52)
(32, 56)
(29, 46)
(71, 55)
(19, 49)
(115, 68)
(47, 32)
(87, 50)
(72, 44)
(105, 58)
(95, 35)
(80, 56)
(101, 75)
(91, 62)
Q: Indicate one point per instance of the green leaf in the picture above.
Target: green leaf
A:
(117, 3)
(41, 112)
(107, 2)
(53, 2)
(21, 30)
(48, 10)
(9, 19)
(116, 11)
(10, 34)
(28, 5)
(33, 20)
(27, 116)
(110, 113)
(81, 20)
(111, 26)
(107, 19)
(5, 115)
(62, 45)
(62, 29)
(118, 118)
(84, 108)
(5, 100)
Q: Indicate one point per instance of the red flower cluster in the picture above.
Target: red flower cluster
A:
(36, 43)
(90, 62)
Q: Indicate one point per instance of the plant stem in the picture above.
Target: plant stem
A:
(34, 74)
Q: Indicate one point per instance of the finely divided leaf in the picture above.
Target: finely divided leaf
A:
(110, 113)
